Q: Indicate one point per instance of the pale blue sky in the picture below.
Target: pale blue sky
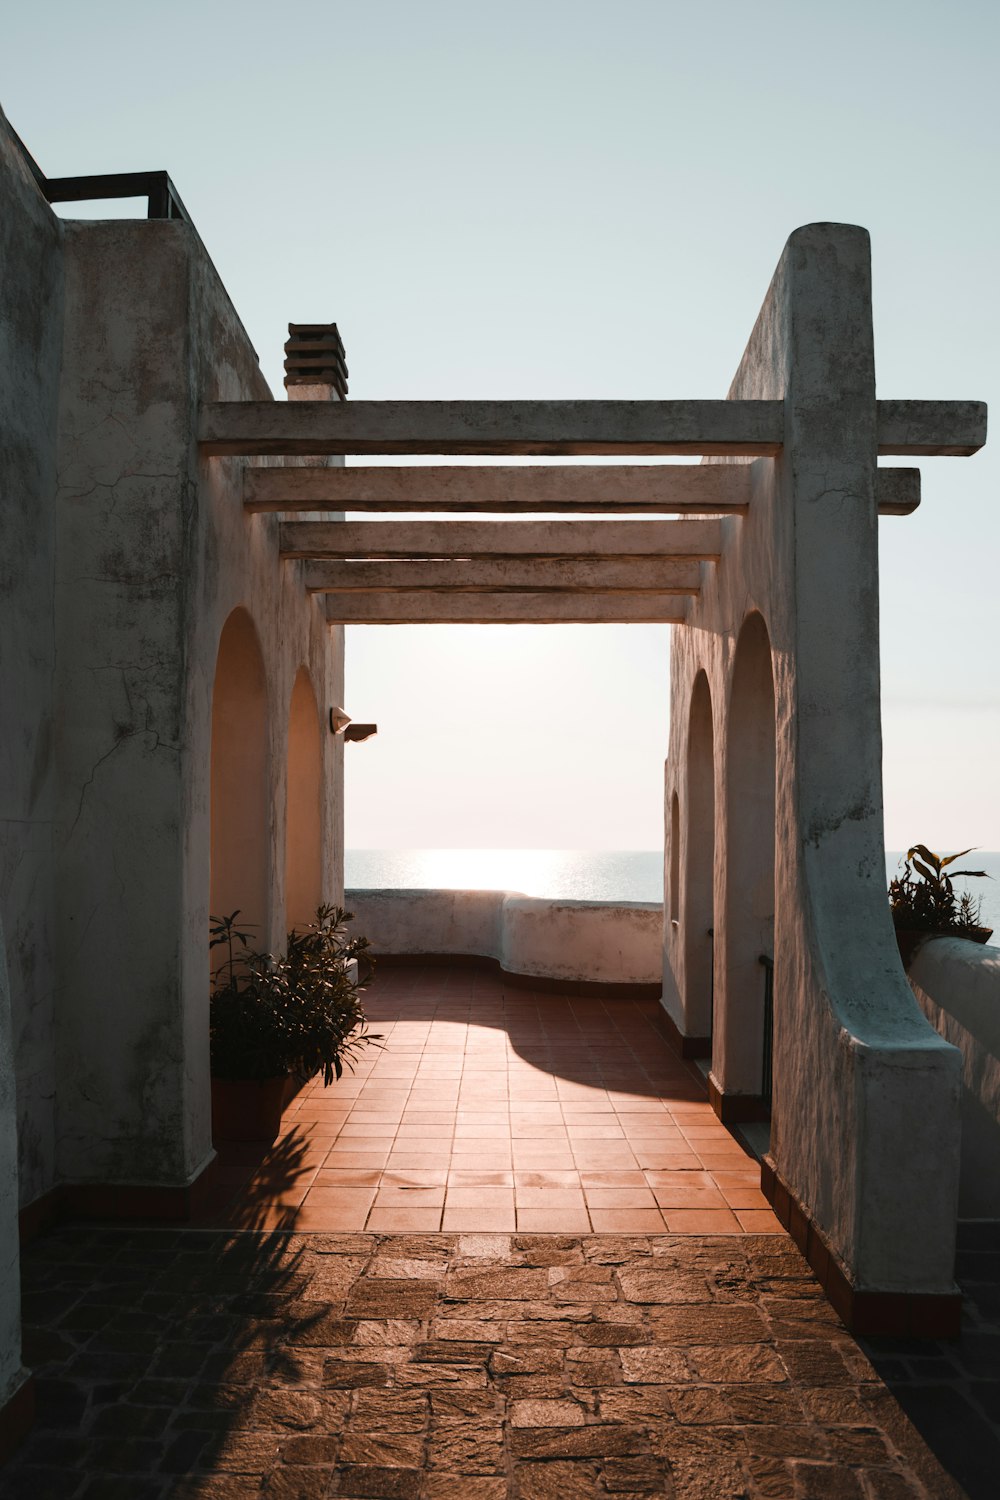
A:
(573, 199)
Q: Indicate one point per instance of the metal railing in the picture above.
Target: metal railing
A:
(767, 1044)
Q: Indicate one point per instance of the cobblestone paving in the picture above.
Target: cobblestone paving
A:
(449, 1367)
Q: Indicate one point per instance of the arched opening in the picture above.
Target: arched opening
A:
(304, 807)
(699, 863)
(739, 1064)
(240, 793)
(675, 858)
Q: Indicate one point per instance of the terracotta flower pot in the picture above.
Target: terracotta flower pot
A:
(247, 1109)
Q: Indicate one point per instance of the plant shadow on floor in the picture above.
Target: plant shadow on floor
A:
(159, 1352)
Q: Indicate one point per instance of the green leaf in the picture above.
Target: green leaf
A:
(952, 857)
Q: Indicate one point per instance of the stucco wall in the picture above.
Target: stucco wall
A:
(572, 940)
(155, 552)
(957, 986)
(865, 1111)
(31, 296)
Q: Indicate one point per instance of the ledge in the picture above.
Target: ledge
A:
(537, 939)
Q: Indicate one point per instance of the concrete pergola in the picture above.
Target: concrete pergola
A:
(173, 643)
(767, 552)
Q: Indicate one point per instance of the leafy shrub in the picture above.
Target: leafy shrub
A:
(299, 1012)
(923, 898)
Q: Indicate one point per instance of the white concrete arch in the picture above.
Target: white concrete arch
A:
(303, 805)
(240, 778)
(698, 898)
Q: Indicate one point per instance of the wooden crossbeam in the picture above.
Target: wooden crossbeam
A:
(722, 428)
(501, 488)
(424, 606)
(661, 575)
(579, 488)
(689, 538)
(748, 428)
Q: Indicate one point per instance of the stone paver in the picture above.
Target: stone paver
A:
(495, 1108)
(448, 1367)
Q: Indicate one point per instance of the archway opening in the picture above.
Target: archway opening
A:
(742, 1023)
(699, 863)
(240, 795)
(304, 806)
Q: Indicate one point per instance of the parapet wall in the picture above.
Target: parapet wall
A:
(574, 941)
(957, 986)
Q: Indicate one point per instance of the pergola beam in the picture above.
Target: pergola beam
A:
(425, 606)
(950, 429)
(504, 575)
(302, 428)
(573, 489)
(714, 428)
(700, 539)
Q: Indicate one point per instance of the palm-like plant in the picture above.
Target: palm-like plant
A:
(923, 898)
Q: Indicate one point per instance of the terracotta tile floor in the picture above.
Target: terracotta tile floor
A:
(500, 1110)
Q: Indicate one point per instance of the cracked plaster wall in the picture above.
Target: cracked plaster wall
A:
(31, 293)
(154, 553)
(865, 1122)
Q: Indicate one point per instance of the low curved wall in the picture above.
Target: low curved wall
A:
(957, 986)
(575, 941)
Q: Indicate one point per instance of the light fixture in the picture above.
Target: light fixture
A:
(338, 720)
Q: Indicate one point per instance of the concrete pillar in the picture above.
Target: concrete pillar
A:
(864, 1130)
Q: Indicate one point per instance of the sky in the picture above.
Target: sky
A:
(555, 199)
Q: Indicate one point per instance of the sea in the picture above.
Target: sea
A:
(578, 874)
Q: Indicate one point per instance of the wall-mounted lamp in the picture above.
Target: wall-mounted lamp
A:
(340, 723)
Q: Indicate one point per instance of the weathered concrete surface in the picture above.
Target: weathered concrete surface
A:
(665, 488)
(648, 488)
(11, 1372)
(638, 575)
(595, 539)
(957, 986)
(155, 554)
(611, 942)
(500, 427)
(31, 293)
(866, 1096)
(543, 607)
(748, 427)
(452, 1367)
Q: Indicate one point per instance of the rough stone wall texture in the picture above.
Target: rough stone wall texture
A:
(957, 986)
(154, 554)
(866, 1117)
(31, 295)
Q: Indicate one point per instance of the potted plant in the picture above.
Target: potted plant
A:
(924, 903)
(278, 1017)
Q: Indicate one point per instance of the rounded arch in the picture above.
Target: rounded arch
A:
(738, 1053)
(699, 862)
(240, 781)
(303, 806)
